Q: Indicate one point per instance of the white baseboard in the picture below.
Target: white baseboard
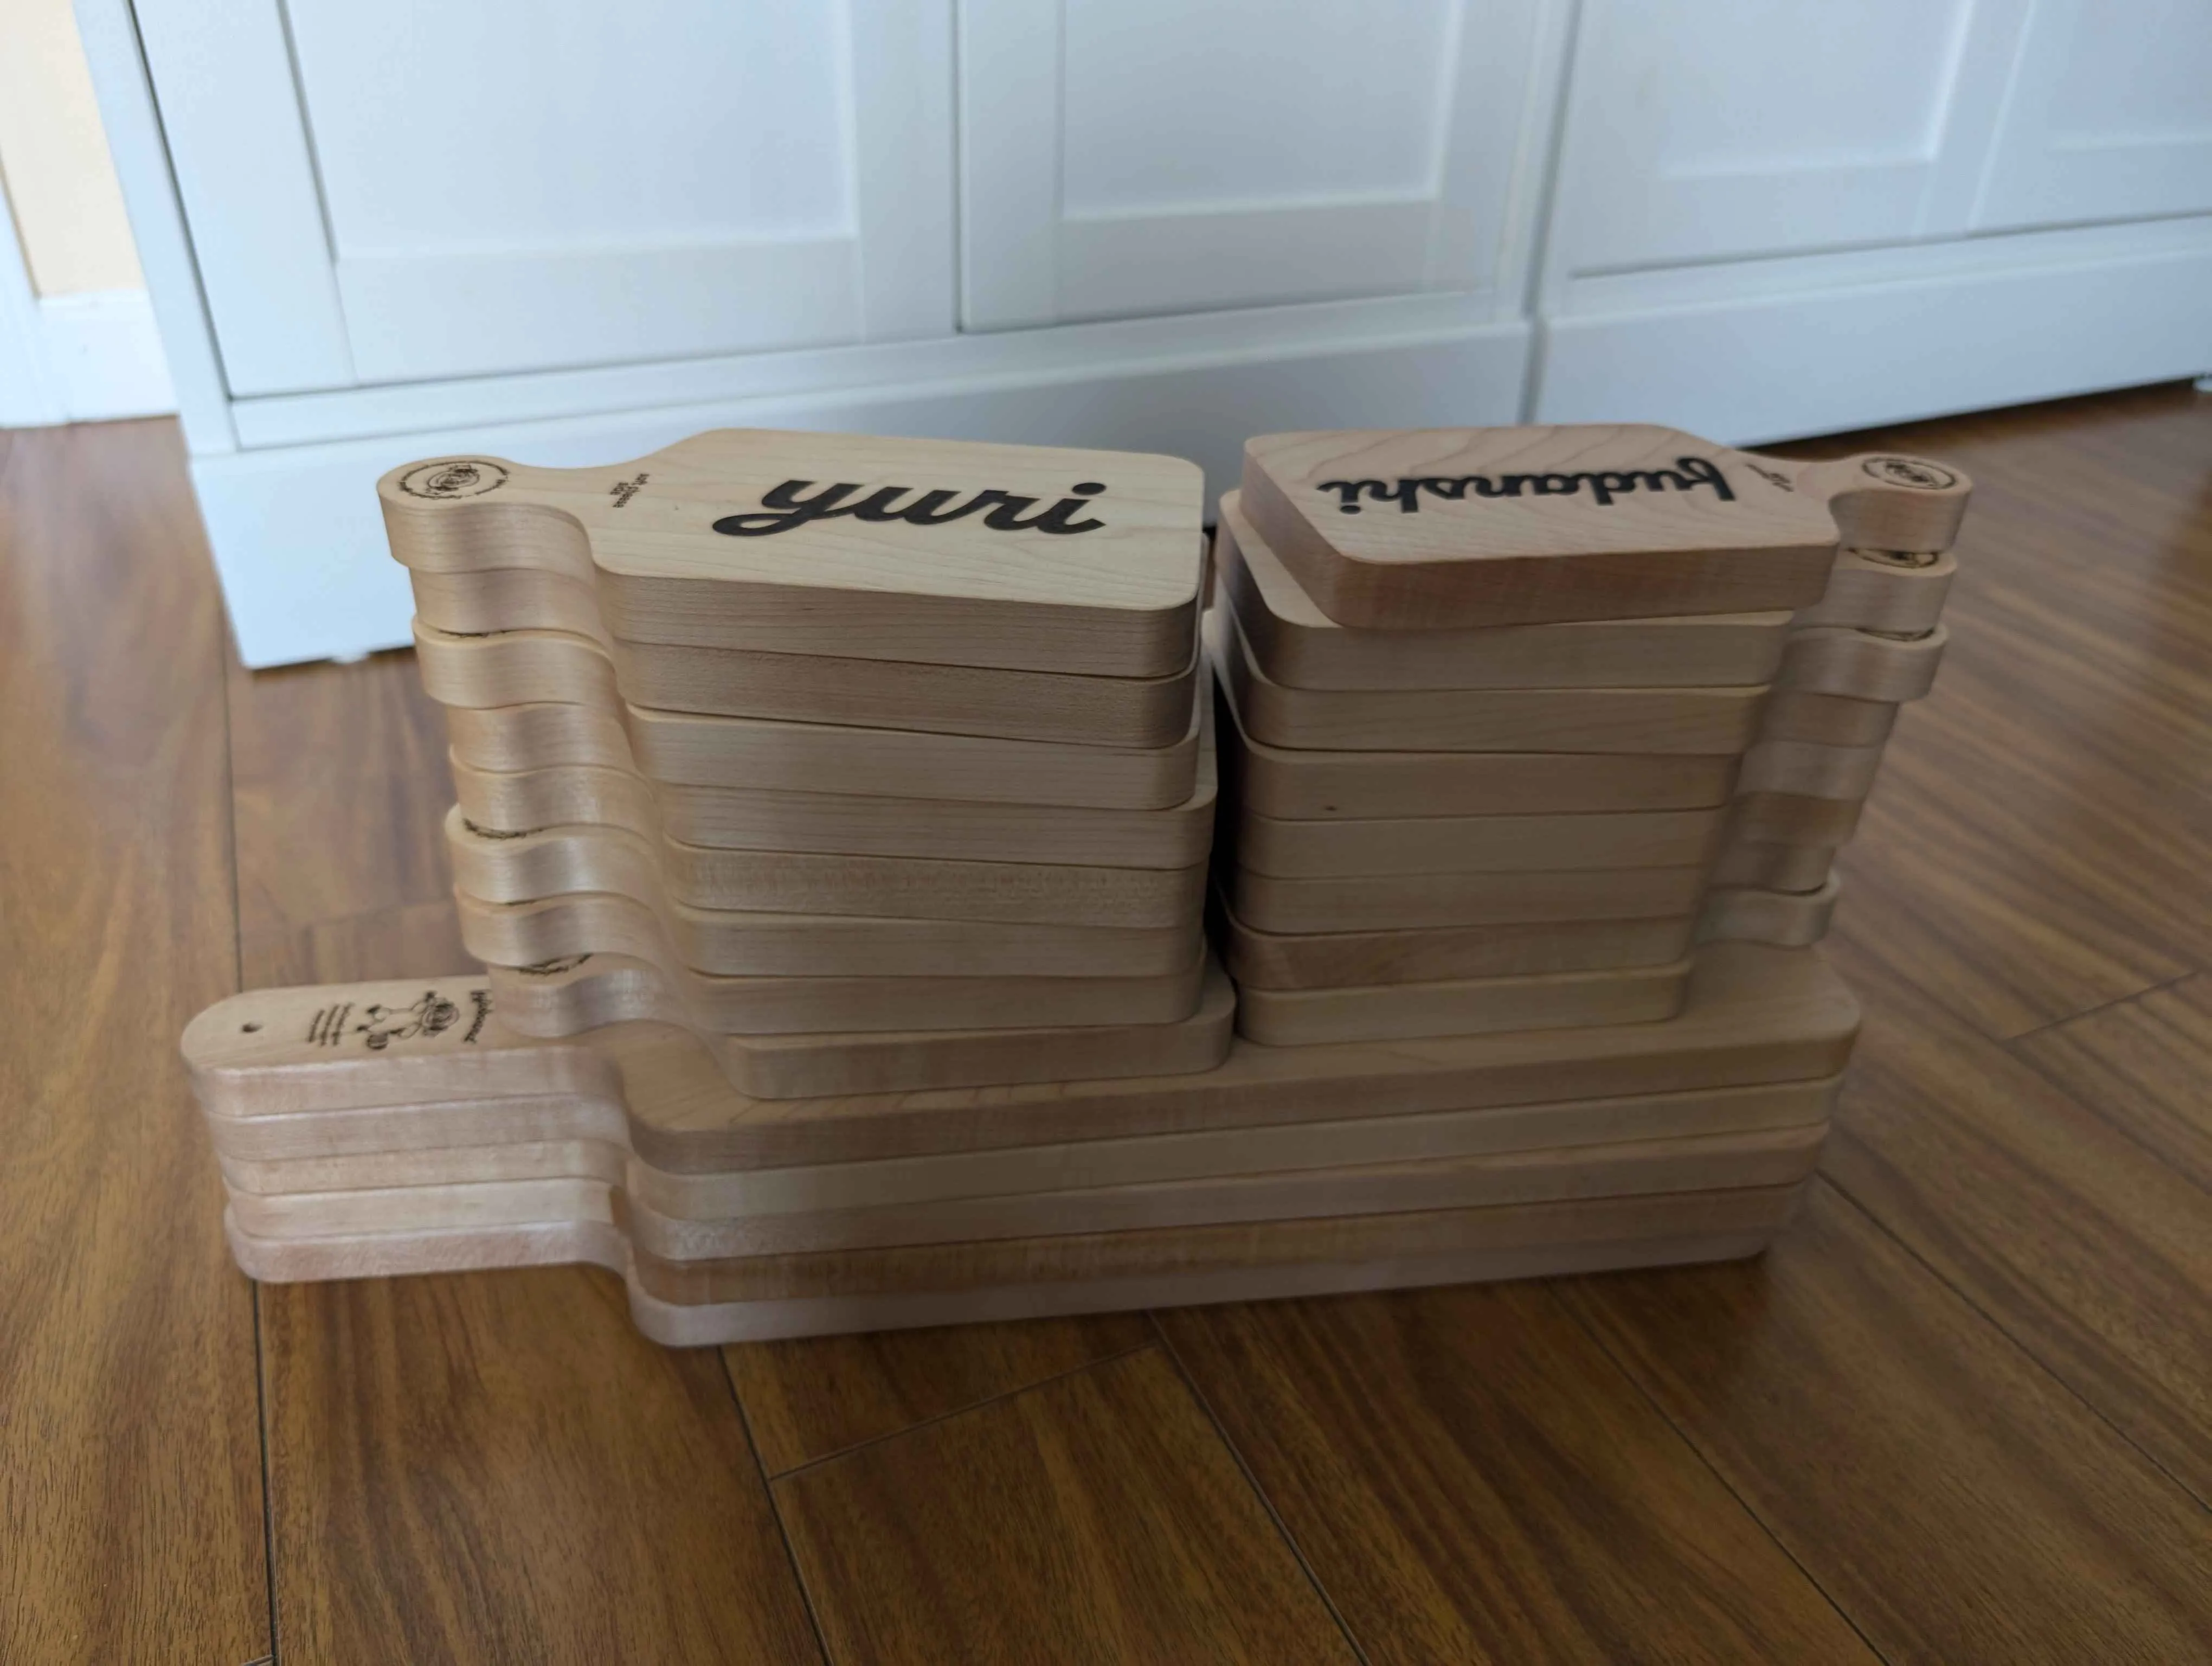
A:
(300, 544)
(1990, 322)
(81, 358)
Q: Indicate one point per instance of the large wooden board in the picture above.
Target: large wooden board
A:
(1025, 557)
(1307, 786)
(1698, 1163)
(1671, 720)
(601, 1152)
(1297, 645)
(737, 945)
(1827, 719)
(1748, 915)
(1327, 960)
(1481, 844)
(587, 857)
(1861, 665)
(1462, 1006)
(1446, 527)
(1405, 902)
(1754, 1014)
(567, 997)
(1898, 592)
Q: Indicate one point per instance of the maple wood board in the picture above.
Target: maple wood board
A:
(747, 753)
(737, 945)
(1093, 567)
(1396, 902)
(1827, 719)
(1418, 528)
(569, 996)
(1749, 914)
(1479, 844)
(1462, 1006)
(1702, 1163)
(844, 824)
(1297, 646)
(377, 1256)
(1784, 867)
(565, 860)
(1792, 818)
(1324, 960)
(595, 1154)
(1861, 665)
(1809, 768)
(1698, 721)
(1754, 1014)
(1311, 786)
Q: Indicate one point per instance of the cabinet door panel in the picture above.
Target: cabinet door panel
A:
(516, 185)
(2110, 118)
(1704, 130)
(1124, 157)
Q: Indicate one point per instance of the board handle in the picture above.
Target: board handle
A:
(1881, 499)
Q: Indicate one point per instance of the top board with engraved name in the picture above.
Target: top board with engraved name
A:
(1406, 528)
(1021, 557)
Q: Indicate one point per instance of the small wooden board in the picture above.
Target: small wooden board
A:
(1753, 865)
(567, 997)
(1754, 1015)
(1861, 665)
(735, 945)
(1406, 901)
(1297, 646)
(1788, 920)
(1310, 785)
(1481, 844)
(933, 551)
(1462, 1006)
(1324, 960)
(567, 861)
(1898, 592)
(1447, 527)
(1670, 721)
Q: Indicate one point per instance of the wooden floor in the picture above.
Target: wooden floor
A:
(1962, 1414)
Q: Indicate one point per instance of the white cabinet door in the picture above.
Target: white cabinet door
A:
(1709, 129)
(2110, 116)
(1127, 157)
(419, 189)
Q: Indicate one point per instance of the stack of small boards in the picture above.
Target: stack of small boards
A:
(688, 759)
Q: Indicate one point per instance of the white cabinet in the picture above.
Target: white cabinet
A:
(2110, 117)
(1127, 157)
(437, 188)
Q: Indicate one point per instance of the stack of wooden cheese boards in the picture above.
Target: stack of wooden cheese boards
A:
(835, 818)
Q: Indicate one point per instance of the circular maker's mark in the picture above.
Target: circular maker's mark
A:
(459, 477)
(1914, 473)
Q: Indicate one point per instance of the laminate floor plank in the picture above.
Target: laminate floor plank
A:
(1471, 1478)
(813, 1396)
(130, 1448)
(1096, 1518)
(2146, 1066)
(489, 1465)
(1956, 1500)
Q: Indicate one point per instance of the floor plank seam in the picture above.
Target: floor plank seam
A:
(1751, 1514)
(775, 1509)
(268, 1492)
(2101, 1006)
(946, 1417)
(1282, 1527)
(2024, 1350)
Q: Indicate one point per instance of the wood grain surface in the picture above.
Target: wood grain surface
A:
(1949, 1414)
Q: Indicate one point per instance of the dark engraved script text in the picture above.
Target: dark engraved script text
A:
(783, 509)
(1604, 485)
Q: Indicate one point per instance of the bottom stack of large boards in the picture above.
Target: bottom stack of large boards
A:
(399, 1128)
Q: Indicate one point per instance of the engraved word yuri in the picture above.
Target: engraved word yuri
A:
(782, 508)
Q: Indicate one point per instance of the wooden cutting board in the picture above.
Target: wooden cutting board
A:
(1479, 844)
(1404, 901)
(1413, 529)
(1462, 1006)
(1327, 960)
(931, 551)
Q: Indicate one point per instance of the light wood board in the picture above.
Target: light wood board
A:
(1861, 665)
(1479, 844)
(1297, 646)
(1754, 1014)
(565, 860)
(1462, 1006)
(1306, 786)
(1697, 721)
(1324, 960)
(1787, 919)
(1394, 902)
(1104, 581)
(1900, 592)
(1827, 719)
(1785, 867)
